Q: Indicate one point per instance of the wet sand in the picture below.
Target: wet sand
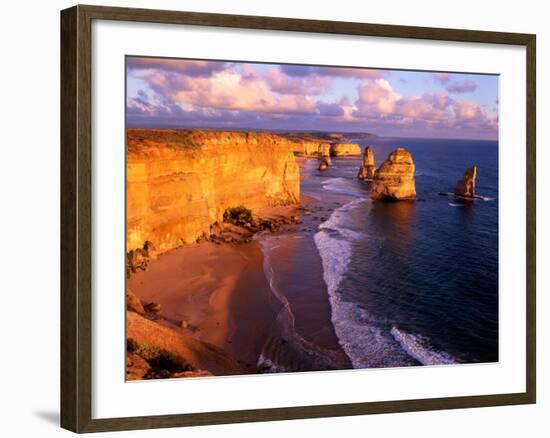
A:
(222, 295)
(218, 290)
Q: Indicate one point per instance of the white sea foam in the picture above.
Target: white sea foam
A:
(341, 185)
(419, 347)
(452, 204)
(268, 364)
(362, 341)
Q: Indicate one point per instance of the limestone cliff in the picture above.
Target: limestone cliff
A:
(308, 148)
(366, 171)
(344, 149)
(394, 179)
(180, 182)
(467, 185)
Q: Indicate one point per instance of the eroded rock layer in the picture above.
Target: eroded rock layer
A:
(366, 171)
(180, 182)
(394, 179)
(308, 148)
(467, 185)
(344, 149)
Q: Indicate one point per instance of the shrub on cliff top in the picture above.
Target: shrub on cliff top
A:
(238, 215)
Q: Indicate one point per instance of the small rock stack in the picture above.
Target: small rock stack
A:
(467, 185)
(366, 171)
(324, 157)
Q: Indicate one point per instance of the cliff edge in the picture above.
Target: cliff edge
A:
(180, 182)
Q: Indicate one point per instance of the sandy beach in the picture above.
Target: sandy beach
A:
(219, 294)
(210, 287)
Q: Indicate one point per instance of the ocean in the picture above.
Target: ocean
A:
(389, 284)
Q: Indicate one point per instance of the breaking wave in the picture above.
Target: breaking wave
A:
(363, 342)
(419, 347)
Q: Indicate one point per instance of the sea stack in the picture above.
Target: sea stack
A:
(324, 153)
(394, 179)
(366, 171)
(467, 185)
(344, 149)
(323, 165)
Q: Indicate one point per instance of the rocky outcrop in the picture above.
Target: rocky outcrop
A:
(324, 153)
(180, 182)
(394, 179)
(467, 185)
(366, 171)
(344, 149)
(133, 303)
(156, 343)
(324, 157)
(308, 148)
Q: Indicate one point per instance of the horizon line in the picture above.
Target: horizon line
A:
(305, 131)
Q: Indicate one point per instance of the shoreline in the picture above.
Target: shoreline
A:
(217, 292)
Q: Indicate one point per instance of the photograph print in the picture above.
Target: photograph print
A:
(285, 218)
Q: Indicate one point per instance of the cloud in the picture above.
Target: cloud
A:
(218, 94)
(231, 89)
(376, 97)
(333, 72)
(442, 78)
(379, 104)
(466, 86)
(284, 84)
(330, 109)
(188, 67)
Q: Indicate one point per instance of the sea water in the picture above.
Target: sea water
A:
(409, 283)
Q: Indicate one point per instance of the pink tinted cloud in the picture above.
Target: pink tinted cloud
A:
(232, 91)
(442, 78)
(378, 101)
(466, 86)
(207, 93)
(376, 97)
(284, 84)
(188, 67)
(333, 72)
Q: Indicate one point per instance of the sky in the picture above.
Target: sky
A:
(166, 92)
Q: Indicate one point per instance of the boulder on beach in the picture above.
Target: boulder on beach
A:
(153, 307)
(344, 149)
(467, 185)
(394, 179)
(133, 303)
(366, 171)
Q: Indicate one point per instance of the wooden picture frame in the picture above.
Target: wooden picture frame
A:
(76, 205)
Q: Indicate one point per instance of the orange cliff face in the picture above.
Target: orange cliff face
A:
(178, 183)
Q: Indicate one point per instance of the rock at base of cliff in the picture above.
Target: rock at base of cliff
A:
(467, 185)
(133, 303)
(394, 179)
(367, 169)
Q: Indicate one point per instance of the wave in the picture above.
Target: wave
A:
(341, 185)
(364, 343)
(452, 204)
(418, 346)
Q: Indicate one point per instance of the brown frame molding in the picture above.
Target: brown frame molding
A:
(76, 172)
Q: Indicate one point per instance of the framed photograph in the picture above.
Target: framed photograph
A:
(270, 218)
